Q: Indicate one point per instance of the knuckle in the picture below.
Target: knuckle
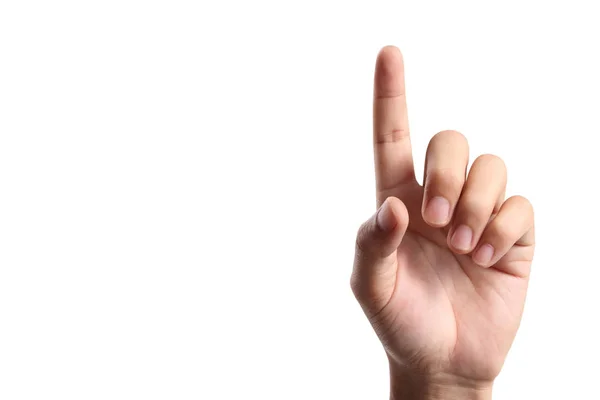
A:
(354, 284)
(449, 135)
(364, 238)
(522, 204)
(391, 136)
(521, 201)
(444, 181)
(490, 161)
(501, 234)
(445, 139)
(361, 237)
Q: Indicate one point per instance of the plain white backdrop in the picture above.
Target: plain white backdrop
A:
(181, 183)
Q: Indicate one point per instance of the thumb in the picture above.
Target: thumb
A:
(376, 262)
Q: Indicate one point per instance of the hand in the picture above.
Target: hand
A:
(441, 270)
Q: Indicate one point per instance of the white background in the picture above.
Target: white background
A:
(181, 183)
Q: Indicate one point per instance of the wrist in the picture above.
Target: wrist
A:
(408, 385)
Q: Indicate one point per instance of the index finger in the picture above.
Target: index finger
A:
(391, 138)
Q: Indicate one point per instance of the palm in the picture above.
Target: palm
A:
(445, 310)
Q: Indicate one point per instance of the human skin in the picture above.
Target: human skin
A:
(445, 303)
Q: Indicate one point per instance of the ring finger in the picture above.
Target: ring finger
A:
(481, 197)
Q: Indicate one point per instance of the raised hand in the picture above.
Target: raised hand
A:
(441, 270)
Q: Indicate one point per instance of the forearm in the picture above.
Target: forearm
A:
(407, 386)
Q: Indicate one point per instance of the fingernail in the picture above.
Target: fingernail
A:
(462, 237)
(484, 255)
(386, 221)
(437, 211)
